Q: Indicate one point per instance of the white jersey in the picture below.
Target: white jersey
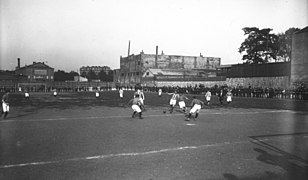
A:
(121, 93)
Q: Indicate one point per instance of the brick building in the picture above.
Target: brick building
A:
(36, 72)
(133, 67)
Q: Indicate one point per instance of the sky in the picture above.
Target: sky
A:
(69, 34)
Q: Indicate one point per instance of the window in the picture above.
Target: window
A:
(138, 62)
(148, 73)
(137, 73)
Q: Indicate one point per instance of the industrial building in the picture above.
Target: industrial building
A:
(136, 69)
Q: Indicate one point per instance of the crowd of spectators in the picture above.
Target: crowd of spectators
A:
(300, 92)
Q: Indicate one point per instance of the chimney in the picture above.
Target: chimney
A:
(128, 48)
(156, 56)
(18, 63)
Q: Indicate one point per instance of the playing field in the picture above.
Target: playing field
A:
(77, 136)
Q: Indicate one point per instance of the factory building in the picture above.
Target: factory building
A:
(135, 69)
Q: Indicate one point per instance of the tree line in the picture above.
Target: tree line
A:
(261, 46)
(61, 75)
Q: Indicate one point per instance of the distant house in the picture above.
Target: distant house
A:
(36, 72)
(95, 69)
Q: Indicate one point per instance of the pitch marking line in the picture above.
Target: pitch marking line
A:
(119, 155)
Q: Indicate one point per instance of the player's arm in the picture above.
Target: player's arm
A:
(130, 102)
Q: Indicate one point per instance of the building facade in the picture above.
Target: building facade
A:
(36, 72)
(95, 69)
(133, 67)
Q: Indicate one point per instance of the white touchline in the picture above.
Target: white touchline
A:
(120, 155)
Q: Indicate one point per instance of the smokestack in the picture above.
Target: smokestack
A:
(18, 63)
(128, 48)
(156, 56)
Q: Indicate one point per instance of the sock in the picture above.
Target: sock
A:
(196, 115)
(189, 115)
(140, 115)
(5, 114)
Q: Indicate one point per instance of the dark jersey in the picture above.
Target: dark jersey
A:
(196, 101)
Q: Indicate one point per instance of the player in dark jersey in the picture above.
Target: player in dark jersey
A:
(195, 105)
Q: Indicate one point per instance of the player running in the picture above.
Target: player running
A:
(181, 99)
(5, 103)
(208, 95)
(121, 93)
(196, 105)
(141, 96)
(136, 106)
(173, 99)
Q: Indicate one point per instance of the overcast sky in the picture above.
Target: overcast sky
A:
(68, 34)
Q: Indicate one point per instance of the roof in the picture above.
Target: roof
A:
(304, 30)
(171, 72)
(37, 65)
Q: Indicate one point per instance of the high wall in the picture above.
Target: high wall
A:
(299, 57)
(264, 82)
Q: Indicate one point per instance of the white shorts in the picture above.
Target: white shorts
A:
(208, 98)
(229, 99)
(5, 107)
(196, 109)
(182, 104)
(136, 108)
(172, 102)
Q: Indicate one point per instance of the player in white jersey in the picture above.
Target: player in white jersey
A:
(229, 96)
(173, 99)
(141, 96)
(160, 92)
(55, 93)
(5, 103)
(27, 95)
(208, 95)
(121, 93)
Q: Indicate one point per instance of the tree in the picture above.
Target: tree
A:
(71, 75)
(102, 75)
(110, 76)
(285, 44)
(91, 75)
(260, 46)
(64, 76)
(59, 75)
